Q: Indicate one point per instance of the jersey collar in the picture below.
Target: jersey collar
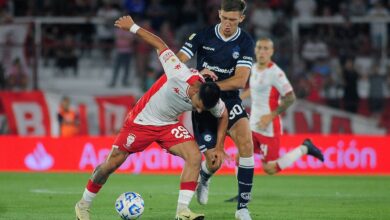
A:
(231, 38)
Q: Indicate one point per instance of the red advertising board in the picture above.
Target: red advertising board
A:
(343, 155)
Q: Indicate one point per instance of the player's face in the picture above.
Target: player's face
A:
(198, 104)
(230, 21)
(264, 50)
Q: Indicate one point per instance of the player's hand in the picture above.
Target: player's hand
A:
(206, 73)
(265, 120)
(124, 22)
(219, 156)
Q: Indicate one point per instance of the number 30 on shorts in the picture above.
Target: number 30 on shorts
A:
(180, 132)
(236, 110)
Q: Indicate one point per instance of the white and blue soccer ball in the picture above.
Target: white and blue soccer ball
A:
(129, 205)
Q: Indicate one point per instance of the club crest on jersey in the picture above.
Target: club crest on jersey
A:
(207, 138)
(236, 55)
(236, 52)
(130, 140)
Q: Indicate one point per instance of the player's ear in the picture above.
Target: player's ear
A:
(242, 18)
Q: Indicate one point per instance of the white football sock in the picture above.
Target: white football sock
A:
(205, 168)
(289, 158)
(88, 196)
(185, 197)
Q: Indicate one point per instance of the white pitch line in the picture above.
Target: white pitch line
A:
(48, 191)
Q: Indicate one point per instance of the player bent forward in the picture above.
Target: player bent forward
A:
(154, 118)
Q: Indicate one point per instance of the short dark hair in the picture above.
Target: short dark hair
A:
(233, 5)
(209, 94)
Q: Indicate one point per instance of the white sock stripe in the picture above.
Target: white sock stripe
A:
(88, 196)
(246, 167)
(247, 162)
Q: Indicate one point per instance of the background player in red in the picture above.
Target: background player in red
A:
(154, 118)
(268, 85)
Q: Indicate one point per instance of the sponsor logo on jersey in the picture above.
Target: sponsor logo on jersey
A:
(176, 90)
(130, 140)
(167, 55)
(192, 36)
(218, 69)
(247, 58)
(208, 48)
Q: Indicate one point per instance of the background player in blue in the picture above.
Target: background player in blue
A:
(228, 51)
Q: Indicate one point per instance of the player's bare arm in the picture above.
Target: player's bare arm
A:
(127, 23)
(219, 153)
(286, 102)
(238, 81)
(182, 57)
(245, 94)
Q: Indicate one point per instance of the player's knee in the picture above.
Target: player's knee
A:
(246, 148)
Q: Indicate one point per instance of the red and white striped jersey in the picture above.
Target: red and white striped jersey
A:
(266, 86)
(168, 97)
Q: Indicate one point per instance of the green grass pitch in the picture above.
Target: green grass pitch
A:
(52, 196)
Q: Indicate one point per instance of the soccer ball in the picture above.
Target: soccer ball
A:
(129, 205)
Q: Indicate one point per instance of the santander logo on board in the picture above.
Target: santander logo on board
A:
(39, 159)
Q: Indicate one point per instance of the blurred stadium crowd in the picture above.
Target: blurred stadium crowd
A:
(343, 64)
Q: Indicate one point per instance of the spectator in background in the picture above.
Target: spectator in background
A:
(188, 19)
(3, 82)
(67, 119)
(143, 51)
(376, 95)
(378, 11)
(357, 8)
(314, 49)
(105, 31)
(151, 77)
(66, 56)
(156, 13)
(351, 98)
(124, 45)
(305, 8)
(189, 13)
(135, 7)
(262, 19)
(17, 78)
(168, 34)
